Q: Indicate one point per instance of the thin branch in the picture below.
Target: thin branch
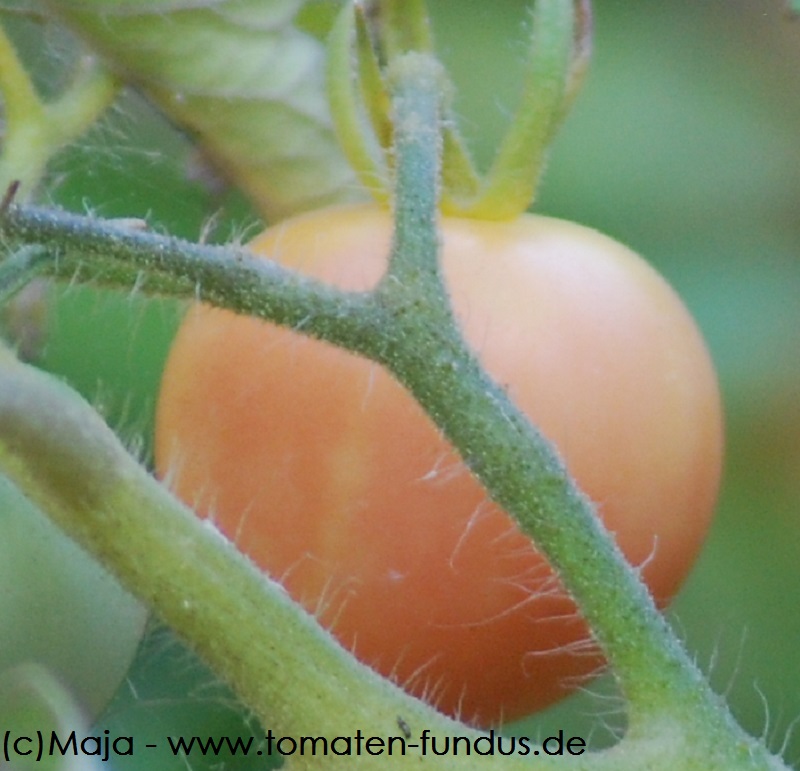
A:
(107, 253)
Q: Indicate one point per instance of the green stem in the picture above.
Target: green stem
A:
(511, 458)
(361, 148)
(20, 97)
(401, 26)
(515, 463)
(428, 356)
(579, 64)
(416, 92)
(110, 254)
(358, 90)
(511, 182)
(373, 87)
(59, 453)
(23, 139)
(287, 670)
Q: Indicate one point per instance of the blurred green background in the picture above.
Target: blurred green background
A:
(685, 144)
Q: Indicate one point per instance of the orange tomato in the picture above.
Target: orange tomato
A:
(329, 476)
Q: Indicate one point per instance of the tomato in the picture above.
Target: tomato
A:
(329, 476)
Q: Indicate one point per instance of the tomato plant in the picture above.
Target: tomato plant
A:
(329, 476)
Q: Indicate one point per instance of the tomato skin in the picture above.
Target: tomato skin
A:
(329, 476)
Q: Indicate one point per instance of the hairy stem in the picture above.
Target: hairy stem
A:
(58, 451)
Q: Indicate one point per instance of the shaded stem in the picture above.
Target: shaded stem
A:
(17, 270)
(416, 98)
(518, 467)
(512, 459)
(362, 148)
(60, 454)
(510, 185)
(407, 326)
(110, 254)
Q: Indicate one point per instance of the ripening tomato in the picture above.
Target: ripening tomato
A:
(326, 472)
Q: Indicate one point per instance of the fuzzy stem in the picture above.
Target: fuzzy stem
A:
(516, 464)
(417, 80)
(519, 468)
(58, 451)
(551, 79)
(292, 674)
(110, 254)
(361, 148)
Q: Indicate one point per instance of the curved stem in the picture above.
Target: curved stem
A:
(579, 64)
(284, 667)
(511, 182)
(359, 146)
(58, 451)
(21, 158)
(21, 99)
(17, 270)
(358, 90)
(512, 459)
(515, 463)
(373, 86)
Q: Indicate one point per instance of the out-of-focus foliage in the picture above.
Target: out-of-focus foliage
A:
(58, 608)
(686, 145)
(239, 77)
